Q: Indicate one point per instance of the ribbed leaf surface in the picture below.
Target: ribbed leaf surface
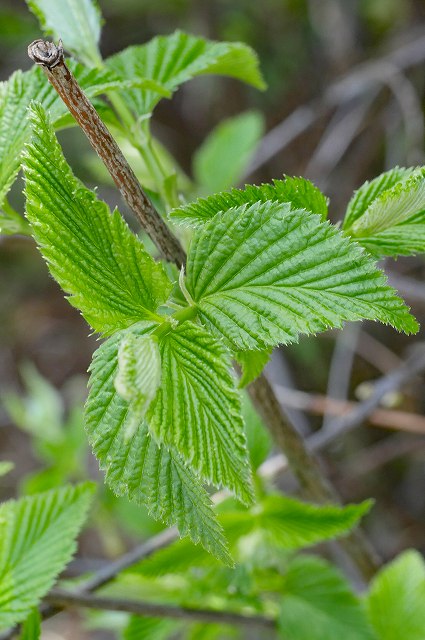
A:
(198, 410)
(395, 603)
(172, 60)
(261, 275)
(90, 252)
(37, 540)
(137, 467)
(77, 22)
(301, 193)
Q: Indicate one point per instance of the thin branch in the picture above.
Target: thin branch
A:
(321, 405)
(394, 380)
(62, 598)
(50, 58)
(343, 90)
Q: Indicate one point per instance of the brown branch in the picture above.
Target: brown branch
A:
(50, 58)
(321, 405)
(62, 598)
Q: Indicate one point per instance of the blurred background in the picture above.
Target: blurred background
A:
(344, 102)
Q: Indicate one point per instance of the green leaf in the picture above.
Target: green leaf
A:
(252, 363)
(405, 239)
(394, 222)
(396, 600)
(318, 602)
(369, 191)
(31, 629)
(261, 275)
(90, 252)
(139, 375)
(76, 22)
(37, 540)
(278, 522)
(301, 193)
(11, 222)
(177, 58)
(16, 95)
(5, 467)
(144, 628)
(257, 435)
(137, 467)
(293, 524)
(224, 156)
(198, 411)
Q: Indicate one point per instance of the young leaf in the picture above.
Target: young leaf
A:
(395, 603)
(90, 252)
(261, 275)
(252, 363)
(137, 467)
(318, 602)
(367, 193)
(222, 159)
(293, 524)
(394, 222)
(177, 58)
(139, 376)
(301, 193)
(31, 629)
(283, 523)
(37, 540)
(76, 22)
(197, 410)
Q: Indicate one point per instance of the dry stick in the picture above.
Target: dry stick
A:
(50, 58)
(303, 463)
(64, 598)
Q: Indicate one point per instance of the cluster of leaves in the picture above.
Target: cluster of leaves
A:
(164, 413)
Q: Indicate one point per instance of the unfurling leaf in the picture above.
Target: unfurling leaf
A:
(393, 223)
(139, 376)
